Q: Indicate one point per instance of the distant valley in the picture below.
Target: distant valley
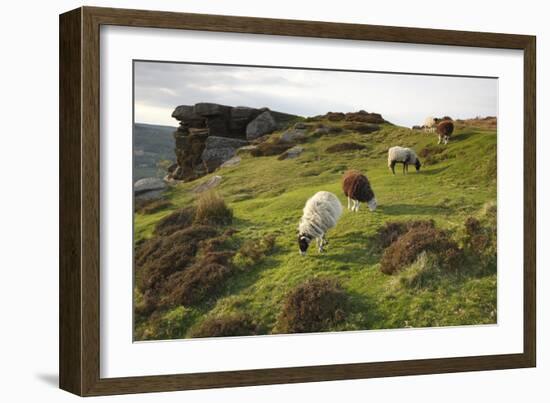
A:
(152, 144)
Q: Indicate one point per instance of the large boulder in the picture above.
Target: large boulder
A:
(149, 188)
(218, 150)
(148, 184)
(263, 124)
(240, 117)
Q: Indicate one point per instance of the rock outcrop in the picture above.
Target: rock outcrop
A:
(209, 134)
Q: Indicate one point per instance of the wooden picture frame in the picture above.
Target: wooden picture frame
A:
(79, 201)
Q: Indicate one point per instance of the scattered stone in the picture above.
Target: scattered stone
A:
(236, 160)
(261, 139)
(294, 152)
(208, 184)
(321, 131)
(293, 136)
(246, 149)
(300, 126)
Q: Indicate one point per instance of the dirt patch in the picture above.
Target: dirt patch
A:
(343, 147)
(313, 306)
(226, 326)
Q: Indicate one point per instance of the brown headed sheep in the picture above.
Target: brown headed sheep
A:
(444, 131)
(357, 189)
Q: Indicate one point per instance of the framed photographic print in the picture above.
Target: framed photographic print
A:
(250, 201)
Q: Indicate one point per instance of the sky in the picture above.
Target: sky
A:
(402, 99)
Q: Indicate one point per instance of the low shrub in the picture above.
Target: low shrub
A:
(391, 230)
(253, 251)
(313, 306)
(342, 147)
(423, 273)
(151, 206)
(480, 243)
(159, 257)
(364, 116)
(211, 209)
(404, 251)
(226, 326)
(361, 127)
(171, 324)
(198, 281)
(270, 148)
(335, 129)
(175, 221)
(335, 116)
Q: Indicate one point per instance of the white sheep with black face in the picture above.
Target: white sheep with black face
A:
(321, 212)
(402, 155)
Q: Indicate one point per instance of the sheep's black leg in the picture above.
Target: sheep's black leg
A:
(392, 165)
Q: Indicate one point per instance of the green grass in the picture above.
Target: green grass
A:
(267, 196)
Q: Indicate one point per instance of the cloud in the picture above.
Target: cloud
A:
(402, 99)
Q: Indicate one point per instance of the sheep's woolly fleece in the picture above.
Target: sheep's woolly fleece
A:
(400, 154)
(429, 122)
(321, 213)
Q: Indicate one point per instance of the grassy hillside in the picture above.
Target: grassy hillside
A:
(152, 143)
(267, 196)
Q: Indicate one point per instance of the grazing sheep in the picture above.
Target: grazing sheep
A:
(321, 213)
(357, 189)
(403, 156)
(444, 131)
(429, 124)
